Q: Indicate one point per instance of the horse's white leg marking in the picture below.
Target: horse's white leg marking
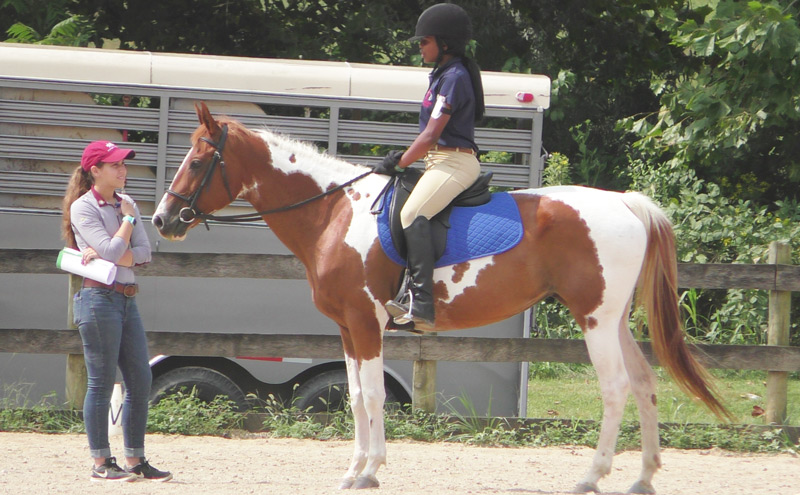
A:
(606, 355)
(643, 385)
(360, 420)
(367, 401)
(374, 396)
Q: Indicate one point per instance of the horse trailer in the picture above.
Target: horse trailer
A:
(54, 100)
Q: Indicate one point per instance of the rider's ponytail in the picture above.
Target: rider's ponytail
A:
(477, 86)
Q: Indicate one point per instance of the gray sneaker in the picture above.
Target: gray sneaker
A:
(109, 471)
(144, 471)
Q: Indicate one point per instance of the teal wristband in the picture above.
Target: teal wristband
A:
(129, 219)
(398, 168)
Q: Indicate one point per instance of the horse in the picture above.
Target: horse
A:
(588, 248)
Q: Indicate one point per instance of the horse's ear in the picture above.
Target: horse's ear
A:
(205, 118)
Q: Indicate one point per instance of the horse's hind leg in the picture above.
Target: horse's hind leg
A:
(643, 385)
(606, 355)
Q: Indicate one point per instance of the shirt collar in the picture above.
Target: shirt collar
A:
(437, 70)
(103, 202)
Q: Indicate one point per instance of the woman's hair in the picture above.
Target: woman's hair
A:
(80, 182)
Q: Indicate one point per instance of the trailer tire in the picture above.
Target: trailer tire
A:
(207, 382)
(328, 392)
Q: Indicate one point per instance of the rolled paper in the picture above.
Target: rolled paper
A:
(97, 269)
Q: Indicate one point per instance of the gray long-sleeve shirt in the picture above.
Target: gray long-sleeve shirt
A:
(95, 222)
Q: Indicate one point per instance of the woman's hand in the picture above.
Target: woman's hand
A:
(88, 255)
(128, 208)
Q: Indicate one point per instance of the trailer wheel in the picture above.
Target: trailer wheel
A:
(328, 392)
(207, 382)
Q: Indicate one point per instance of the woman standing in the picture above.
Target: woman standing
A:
(452, 104)
(104, 224)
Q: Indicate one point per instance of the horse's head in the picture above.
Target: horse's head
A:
(208, 179)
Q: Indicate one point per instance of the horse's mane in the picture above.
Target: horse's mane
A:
(307, 155)
(239, 132)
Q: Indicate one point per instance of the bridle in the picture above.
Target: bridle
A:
(190, 213)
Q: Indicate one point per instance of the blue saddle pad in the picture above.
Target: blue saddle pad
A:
(474, 232)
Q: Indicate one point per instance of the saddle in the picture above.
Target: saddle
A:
(476, 224)
(399, 188)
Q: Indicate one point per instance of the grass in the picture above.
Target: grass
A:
(573, 392)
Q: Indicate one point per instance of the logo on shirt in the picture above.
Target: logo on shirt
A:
(428, 100)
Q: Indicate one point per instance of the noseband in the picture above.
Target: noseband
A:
(189, 213)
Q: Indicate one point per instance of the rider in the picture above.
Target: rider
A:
(446, 142)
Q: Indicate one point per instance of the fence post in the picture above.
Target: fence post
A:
(780, 301)
(423, 393)
(76, 378)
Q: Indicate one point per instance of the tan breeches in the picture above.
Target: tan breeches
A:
(447, 174)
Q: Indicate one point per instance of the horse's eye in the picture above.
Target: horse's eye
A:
(196, 164)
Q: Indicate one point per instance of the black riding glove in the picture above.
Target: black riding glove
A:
(389, 164)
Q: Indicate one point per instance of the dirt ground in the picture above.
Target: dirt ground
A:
(59, 464)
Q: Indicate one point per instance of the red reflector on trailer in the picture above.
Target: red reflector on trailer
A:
(524, 97)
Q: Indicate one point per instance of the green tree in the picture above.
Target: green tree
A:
(342, 30)
(600, 55)
(45, 22)
(733, 111)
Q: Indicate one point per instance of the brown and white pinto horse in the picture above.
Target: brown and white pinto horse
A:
(586, 247)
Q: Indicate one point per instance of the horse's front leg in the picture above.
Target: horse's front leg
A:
(373, 394)
(367, 397)
(361, 424)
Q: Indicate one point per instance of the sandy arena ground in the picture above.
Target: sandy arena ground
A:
(59, 464)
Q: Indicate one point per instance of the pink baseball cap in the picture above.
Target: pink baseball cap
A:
(103, 152)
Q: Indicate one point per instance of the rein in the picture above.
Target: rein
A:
(190, 213)
(256, 216)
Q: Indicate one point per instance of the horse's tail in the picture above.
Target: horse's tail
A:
(658, 293)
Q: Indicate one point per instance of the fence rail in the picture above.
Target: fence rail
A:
(778, 360)
(410, 348)
(285, 266)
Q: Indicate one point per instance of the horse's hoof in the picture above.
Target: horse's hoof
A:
(347, 483)
(366, 481)
(642, 487)
(586, 487)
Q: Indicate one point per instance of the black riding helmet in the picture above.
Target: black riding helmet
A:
(448, 23)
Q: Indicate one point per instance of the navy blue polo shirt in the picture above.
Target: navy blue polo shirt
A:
(452, 82)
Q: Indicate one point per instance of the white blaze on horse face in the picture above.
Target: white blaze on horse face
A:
(161, 209)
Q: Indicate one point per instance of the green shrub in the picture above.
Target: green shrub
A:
(185, 414)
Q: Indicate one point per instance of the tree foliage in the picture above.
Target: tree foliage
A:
(43, 22)
(733, 110)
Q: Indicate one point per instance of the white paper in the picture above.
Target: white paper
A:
(99, 270)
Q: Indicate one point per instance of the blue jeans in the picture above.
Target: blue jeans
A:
(113, 335)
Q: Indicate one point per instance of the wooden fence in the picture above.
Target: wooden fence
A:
(778, 358)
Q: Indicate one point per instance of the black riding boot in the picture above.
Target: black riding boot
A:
(419, 245)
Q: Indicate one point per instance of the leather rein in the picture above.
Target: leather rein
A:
(189, 213)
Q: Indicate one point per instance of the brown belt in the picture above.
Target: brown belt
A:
(128, 290)
(438, 147)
